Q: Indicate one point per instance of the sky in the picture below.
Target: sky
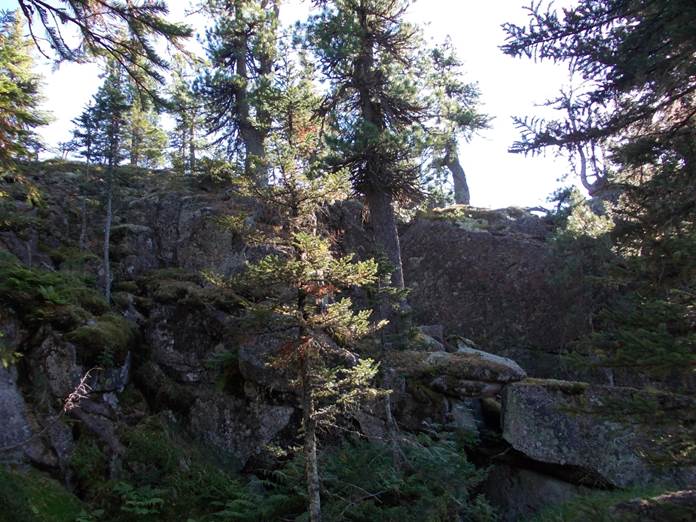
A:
(509, 87)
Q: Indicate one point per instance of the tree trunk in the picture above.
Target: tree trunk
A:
(253, 135)
(386, 238)
(310, 442)
(385, 232)
(107, 237)
(462, 195)
(255, 160)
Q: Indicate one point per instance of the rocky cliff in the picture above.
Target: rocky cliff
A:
(172, 361)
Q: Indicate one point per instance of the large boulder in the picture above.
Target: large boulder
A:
(519, 493)
(604, 430)
(13, 411)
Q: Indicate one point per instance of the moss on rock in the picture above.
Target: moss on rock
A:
(110, 335)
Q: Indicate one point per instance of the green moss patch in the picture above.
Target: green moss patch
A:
(110, 336)
(34, 497)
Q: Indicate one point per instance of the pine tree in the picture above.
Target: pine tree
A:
(457, 116)
(631, 127)
(301, 288)
(19, 92)
(241, 50)
(367, 53)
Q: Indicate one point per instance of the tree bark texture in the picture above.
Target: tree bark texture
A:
(385, 232)
(310, 442)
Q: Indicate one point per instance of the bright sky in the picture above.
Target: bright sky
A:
(508, 86)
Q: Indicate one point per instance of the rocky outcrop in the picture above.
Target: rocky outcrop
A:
(236, 428)
(495, 280)
(601, 429)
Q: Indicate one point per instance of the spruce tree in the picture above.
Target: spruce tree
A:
(241, 49)
(302, 287)
(19, 91)
(145, 140)
(84, 134)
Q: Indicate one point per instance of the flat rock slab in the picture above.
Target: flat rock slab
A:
(461, 375)
(611, 432)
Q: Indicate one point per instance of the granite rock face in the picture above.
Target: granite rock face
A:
(234, 427)
(13, 412)
(491, 278)
(591, 427)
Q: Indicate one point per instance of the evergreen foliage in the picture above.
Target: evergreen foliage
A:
(108, 28)
(457, 117)
(361, 484)
(19, 92)
(390, 102)
(100, 131)
(633, 126)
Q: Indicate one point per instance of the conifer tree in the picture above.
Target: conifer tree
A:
(146, 141)
(633, 127)
(241, 50)
(19, 91)
(84, 134)
(302, 287)
(368, 54)
(100, 136)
